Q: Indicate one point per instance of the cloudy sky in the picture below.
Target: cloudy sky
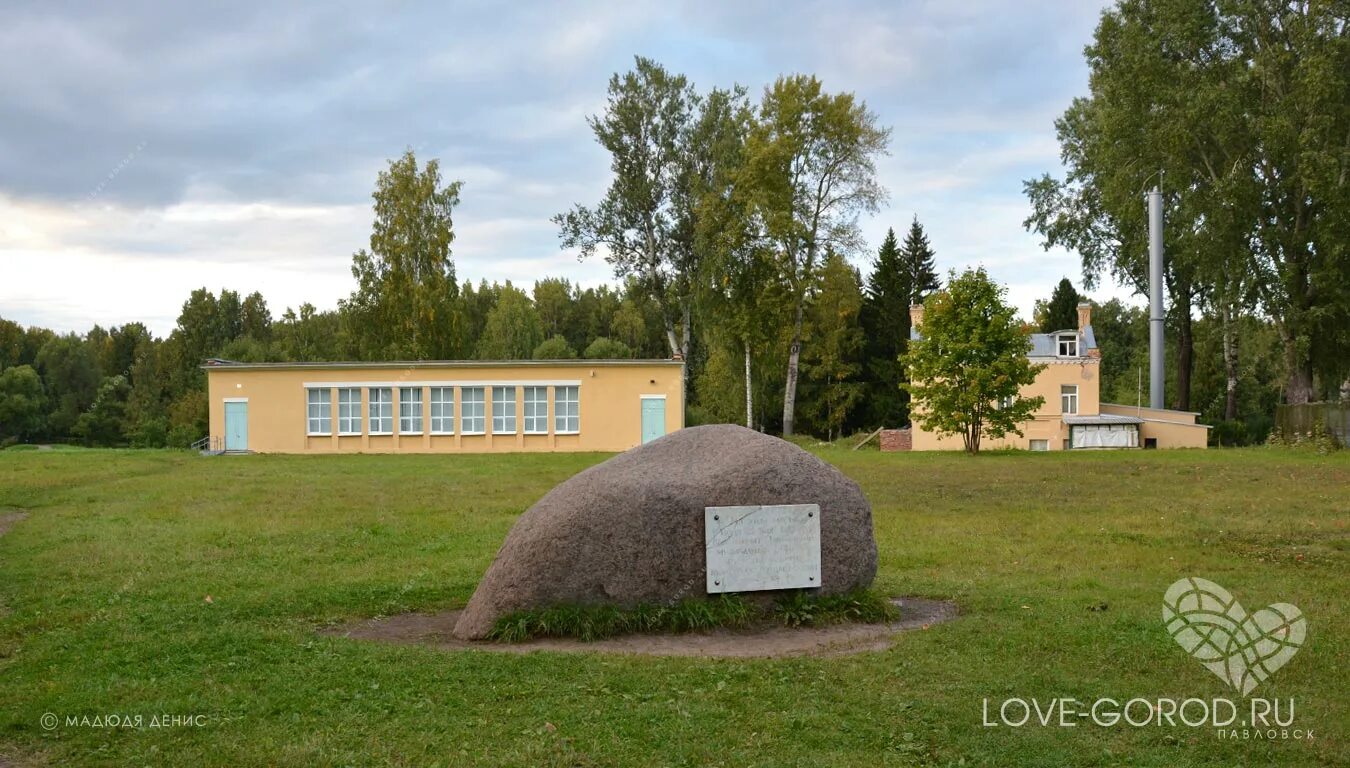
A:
(146, 150)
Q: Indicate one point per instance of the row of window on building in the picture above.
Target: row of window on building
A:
(473, 415)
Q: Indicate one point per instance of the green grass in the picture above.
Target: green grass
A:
(800, 609)
(593, 622)
(104, 609)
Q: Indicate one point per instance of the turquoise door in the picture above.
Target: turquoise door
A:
(653, 418)
(236, 426)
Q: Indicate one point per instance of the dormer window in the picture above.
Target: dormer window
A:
(1068, 345)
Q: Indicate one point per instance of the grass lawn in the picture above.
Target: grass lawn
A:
(104, 610)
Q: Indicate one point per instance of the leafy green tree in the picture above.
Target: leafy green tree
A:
(1238, 111)
(98, 340)
(34, 339)
(719, 385)
(1122, 336)
(119, 346)
(230, 314)
(255, 320)
(105, 422)
(554, 347)
(967, 369)
(404, 303)
(188, 418)
(628, 325)
(69, 371)
(512, 330)
(11, 343)
(475, 304)
(199, 334)
(1061, 311)
(595, 313)
(553, 301)
(607, 349)
(833, 362)
(741, 300)
(309, 336)
(149, 433)
(706, 196)
(747, 310)
(638, 222)
(1237, 396)
(22, 404)
(246, 349)
(810, 170)
(147, 415)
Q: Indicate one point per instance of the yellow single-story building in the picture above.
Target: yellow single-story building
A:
(443, 406)
(1073, 415)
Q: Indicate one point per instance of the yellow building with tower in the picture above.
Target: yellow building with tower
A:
(1073, 415)
(442, 406)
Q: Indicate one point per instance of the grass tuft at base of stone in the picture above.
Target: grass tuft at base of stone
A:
(596, 622)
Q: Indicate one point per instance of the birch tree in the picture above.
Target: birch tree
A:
(810, 171)
(638, 224)
(403, 305)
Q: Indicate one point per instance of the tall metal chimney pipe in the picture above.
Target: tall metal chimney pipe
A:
(1155, 299)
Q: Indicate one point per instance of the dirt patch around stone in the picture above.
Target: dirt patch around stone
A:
(8, 517)
(767, 641)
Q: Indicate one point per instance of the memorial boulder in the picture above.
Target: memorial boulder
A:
(642, 526)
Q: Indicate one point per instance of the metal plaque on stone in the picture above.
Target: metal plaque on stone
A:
(754, 548)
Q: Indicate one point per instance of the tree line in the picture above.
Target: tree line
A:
(1239, 112)
(124, 386)
(729, 223)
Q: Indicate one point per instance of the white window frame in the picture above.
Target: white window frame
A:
(472, 411)
(380, 410)
(315, 422)
(567, 410)
(349, 411)
(1068, 400)
(442, 411)
(1067, 345)
(504, 411)
(535, 401)
(410, 411)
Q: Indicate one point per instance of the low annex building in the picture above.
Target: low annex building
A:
(1073, 416)
(443, 406)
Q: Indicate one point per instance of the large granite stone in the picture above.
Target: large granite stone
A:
(631, 530)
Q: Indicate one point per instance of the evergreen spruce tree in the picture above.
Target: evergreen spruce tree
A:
(918, 259)
(833, 361)
(885, 322)
(1062, 311)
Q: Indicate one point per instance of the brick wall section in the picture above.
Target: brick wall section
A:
(897, 439)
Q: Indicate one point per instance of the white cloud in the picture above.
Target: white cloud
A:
(70, 267)
(264, 128)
